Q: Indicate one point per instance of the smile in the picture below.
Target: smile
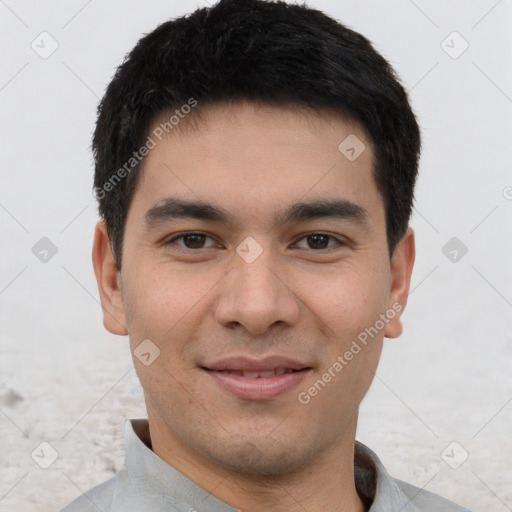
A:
(258, 374)
(256, 385)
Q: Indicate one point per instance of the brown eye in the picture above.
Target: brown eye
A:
(190, 241)
(318, 241)
(194, 241)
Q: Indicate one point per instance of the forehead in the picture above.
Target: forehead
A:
(255, 159)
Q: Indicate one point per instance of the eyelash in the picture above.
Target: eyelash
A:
(339, 242)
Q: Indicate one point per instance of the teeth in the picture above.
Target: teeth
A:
(252, 375)
(266, 373)
(255, 375)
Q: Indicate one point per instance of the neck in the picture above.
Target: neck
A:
(326, 484)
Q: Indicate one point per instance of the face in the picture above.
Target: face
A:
(256, 263)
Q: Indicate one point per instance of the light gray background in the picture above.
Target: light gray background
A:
(66, 381)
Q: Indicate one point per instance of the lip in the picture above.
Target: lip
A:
(248, 364)
(256, 388)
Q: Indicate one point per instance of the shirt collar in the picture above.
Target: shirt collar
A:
(375, 484)
(152, 476)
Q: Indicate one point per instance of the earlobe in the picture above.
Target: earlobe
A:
(109, 282)
(402, 263)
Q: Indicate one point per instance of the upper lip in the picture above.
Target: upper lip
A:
(248, 364)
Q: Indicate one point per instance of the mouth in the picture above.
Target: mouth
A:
(249, 379)
(259, 374)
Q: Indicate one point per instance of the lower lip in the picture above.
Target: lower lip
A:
(260, 388)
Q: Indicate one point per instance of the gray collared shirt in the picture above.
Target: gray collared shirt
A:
(148, 484)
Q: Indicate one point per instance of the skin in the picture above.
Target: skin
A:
(297, 300)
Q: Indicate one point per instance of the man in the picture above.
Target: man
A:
(255, 167)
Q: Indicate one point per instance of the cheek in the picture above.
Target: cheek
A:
(164, 307)
(160, 301)
(348, 309)
(346, 303)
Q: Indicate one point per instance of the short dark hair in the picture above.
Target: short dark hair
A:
(266, 52)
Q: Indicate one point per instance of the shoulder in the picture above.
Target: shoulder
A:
(428, 501)
(98, 498)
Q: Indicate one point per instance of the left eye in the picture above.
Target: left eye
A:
(191, 240)
(318, 241)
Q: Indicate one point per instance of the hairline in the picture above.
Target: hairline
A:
(199, 117)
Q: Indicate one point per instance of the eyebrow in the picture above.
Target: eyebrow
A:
(173, 208)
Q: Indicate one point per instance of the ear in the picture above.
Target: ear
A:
(402, 262)
(109, 282)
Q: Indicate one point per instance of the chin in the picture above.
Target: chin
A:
(264, 460)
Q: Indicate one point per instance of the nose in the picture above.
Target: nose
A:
(257, 296)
